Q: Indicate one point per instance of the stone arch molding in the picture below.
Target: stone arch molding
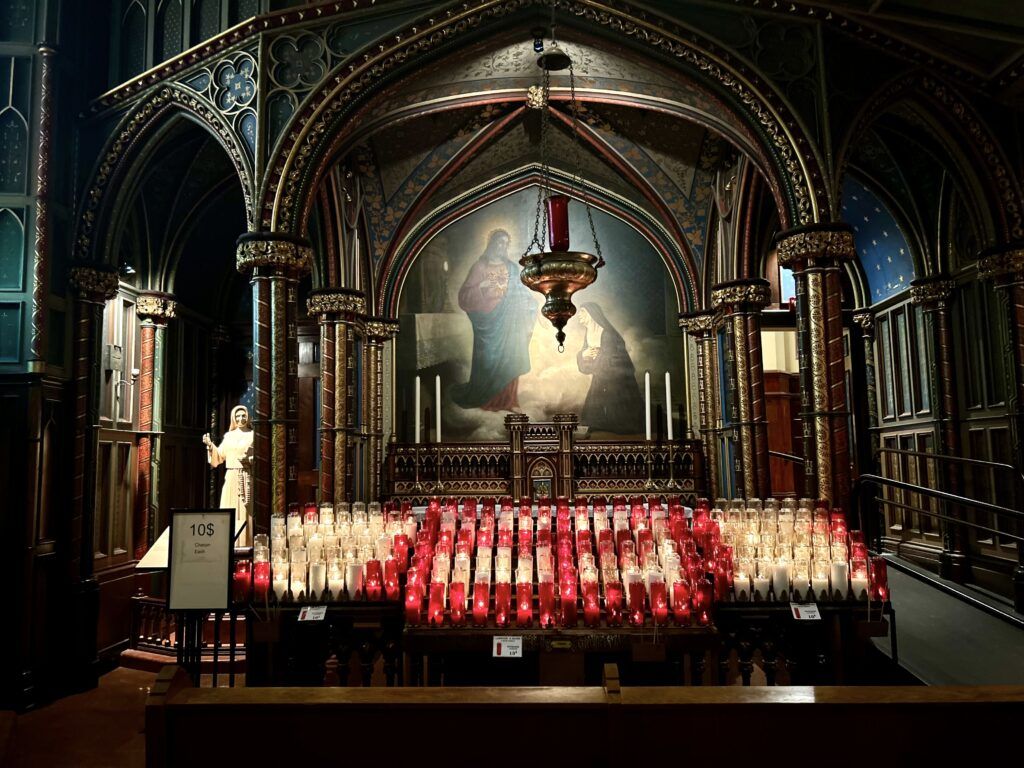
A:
(303, 154)
(130, 139)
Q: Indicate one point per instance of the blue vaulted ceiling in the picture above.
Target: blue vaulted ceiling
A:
(881, 246)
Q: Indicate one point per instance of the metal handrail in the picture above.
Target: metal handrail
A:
(788, 457)
(964, 501)
(957, 459)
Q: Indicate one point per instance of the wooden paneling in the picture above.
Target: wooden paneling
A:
(782, 406)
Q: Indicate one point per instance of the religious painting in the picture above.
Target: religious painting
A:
(466, 317)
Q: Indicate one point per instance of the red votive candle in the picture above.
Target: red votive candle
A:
(659, 602)
(636, 602)
(435, 610)
(613, 603)
(481, 602)
(591, 604)
(879, 575)
(261, 579)
(546, 601)
(502, 603)
(457, 603)
(391, 578)
(242, 580)
(568, 593)
(505, 537)
(703, 597)
(681, 603)
(373, 581)
(524, 604)
(413, 603)
(401, 551)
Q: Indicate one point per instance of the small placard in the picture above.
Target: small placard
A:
(313, 613)
(805, 611)
(200, 559)
(508, 647)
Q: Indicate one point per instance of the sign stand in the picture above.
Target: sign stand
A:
(199, 576)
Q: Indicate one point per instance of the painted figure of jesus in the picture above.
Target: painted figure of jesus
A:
(503, 314)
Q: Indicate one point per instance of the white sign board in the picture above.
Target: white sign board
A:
(200, 559)
(805, 611)
(508, 647)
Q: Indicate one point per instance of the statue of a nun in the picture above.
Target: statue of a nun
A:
(235, 452)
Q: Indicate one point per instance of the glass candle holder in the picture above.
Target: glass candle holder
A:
(681, 602)
(435, 604)
(567, 592)
(457, 603)
(636, 595)
(659, 599)
(297, 582)
(859, 578)
(317, 579)
(546, 599)
(879, 576)
(241, 580)
(336, 577)
(502, 603)
(524, 603)
(391, 586)
(261, 578)
(279, 572)
(703, 602)
(481, 600)
(374, 580)
(354, 579)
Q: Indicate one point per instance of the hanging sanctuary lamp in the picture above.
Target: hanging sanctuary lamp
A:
(559, 272)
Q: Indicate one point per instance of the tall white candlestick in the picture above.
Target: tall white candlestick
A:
(437, 405)
(668, 404)
(416, 433)
(647, 402)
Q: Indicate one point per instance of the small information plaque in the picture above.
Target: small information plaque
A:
(508, 647)
(313, 613)
(805, 611)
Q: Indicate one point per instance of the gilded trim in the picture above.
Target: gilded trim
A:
(94, 283)
(156, 306)
(795, 247)
(932, 292)
(753, 293)
(1001, 263)
(335, 302)
(270, 251)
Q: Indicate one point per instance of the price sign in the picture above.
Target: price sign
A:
(508, 647)
(313, 613)
(805, 611)
(200, 559)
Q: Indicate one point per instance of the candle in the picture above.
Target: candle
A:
(524, 603)
(635, 590)
(416, 433)
(317, 579)
(242, 580)
(647, 403)
(546, 599)
(859, 578)
(613, 603)
(840, 580)
(374, 580)
(502, 603)
(761, 587)
(703, 598)
(336, 579)
(280, 573)
(457, 601)
(819, 578)
(741, 586)
(668, 404)
(681, 603)
(879, 579)
(437, 405)
(391, 578)
(261, 579)
(568, 593)
(435, 608)
(780, 581)
(659, 600)
(591, 604)
(354, 578)
(298, 580)
(481, 600)
(413, 602)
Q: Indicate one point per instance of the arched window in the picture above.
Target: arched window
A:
(13, 150)
(12, 250)
(133, 40)
(169, 30)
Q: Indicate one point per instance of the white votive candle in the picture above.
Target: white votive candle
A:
(760, 587)
(317, 579)
(860, 588)
(840, 579)
(780, 581)
(741, 586)
(354, 577)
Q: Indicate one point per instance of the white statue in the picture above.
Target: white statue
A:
(235, 451)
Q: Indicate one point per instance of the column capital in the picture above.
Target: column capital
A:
(155, 306)
(94, 282)
(273, 249)
(866, 321)
(380, 329)
(1002, 261)
(832, 242)
(341, 301)
(750, 295)
(932, 292)
(697, 323)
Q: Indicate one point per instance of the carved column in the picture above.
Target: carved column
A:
(377, 330)
(94, 286)
(933, 295)
(41, 261)
(866, 321)
(815, 253)
(276, 263)
(155, 309)
(741, 302)
(516, 424)
(566, 424)
(700, 325)
(338, 310)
